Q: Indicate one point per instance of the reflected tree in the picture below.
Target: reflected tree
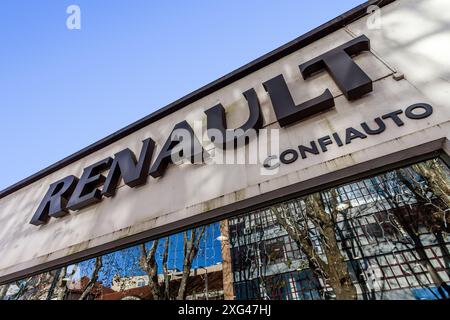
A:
(3, 291)
(92, 280)
(150, 266)
(320, 216)
(419, 197)
(149, 263)
(190, 250)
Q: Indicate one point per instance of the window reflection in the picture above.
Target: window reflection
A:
(384, 237)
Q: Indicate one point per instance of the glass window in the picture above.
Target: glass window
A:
(383, 237)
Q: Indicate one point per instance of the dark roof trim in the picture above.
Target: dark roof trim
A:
(237, 74)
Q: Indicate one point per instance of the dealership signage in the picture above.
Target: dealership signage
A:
(73, 193)
(415, 111)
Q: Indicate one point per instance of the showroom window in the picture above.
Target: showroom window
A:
(382, 237)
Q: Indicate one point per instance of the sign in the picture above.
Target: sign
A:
(73, 193)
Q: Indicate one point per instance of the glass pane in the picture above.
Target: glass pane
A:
(384, 237)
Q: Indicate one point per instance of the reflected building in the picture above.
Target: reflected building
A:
(392, 246)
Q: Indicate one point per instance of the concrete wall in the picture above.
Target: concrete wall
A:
(414, 40)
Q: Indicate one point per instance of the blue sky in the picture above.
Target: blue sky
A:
(61, 89)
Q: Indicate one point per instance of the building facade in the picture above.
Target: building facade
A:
(318, 171)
